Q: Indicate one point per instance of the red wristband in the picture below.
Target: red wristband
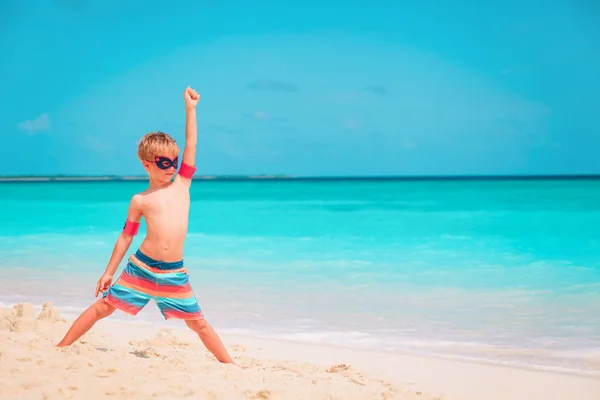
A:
(187, 171)
(131, 228)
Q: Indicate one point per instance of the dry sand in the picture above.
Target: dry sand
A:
(118, 360)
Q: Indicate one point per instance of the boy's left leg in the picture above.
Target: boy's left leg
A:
(187, 309)
(210, 339)
(176, 300)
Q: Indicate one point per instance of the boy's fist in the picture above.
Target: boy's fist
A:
(191, 97)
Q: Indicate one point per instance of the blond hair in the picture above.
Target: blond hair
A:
(157, 144)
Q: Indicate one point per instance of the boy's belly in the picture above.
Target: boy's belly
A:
(172, 252)
(165, 236)
(164, 248)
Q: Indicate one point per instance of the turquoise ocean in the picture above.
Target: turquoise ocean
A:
(501, 271)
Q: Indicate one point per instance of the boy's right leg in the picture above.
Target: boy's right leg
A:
(100, 309)
(129, 294)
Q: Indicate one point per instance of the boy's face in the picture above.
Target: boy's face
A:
(162, 168)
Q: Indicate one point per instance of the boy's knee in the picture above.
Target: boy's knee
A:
(197, 325)
(103, 309)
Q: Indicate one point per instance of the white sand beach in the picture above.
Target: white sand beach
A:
(121, 360)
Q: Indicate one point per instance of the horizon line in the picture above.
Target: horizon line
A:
(282, 177)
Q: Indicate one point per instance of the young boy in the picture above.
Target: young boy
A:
(156, 270)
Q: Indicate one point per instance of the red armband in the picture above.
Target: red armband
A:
(187, 171)
(131, 228)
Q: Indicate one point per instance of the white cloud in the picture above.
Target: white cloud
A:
(350, 124)
(277, 86)
(345, 98)
(378, 89)
(242, 147)
(41, 123)
(97, 145)
(409, 144)
(262, 115)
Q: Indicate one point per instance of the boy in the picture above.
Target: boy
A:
(165, 207)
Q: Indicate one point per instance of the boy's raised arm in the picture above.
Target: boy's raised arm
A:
(188, 164)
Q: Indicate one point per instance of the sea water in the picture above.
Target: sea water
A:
(503, 271)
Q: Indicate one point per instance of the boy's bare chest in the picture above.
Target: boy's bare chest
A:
(167, 204)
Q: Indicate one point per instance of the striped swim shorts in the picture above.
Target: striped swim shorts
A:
(167, 283)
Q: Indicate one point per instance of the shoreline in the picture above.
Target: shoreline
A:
(576, 373)
(430, 375)
(114, 358)
(427, 351)
(231, 333)
(439, 376)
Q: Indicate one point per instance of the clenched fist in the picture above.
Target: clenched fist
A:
(191, 97)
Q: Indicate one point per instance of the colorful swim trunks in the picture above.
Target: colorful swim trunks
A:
(167, 283)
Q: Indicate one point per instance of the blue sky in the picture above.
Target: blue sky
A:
(303, 87)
